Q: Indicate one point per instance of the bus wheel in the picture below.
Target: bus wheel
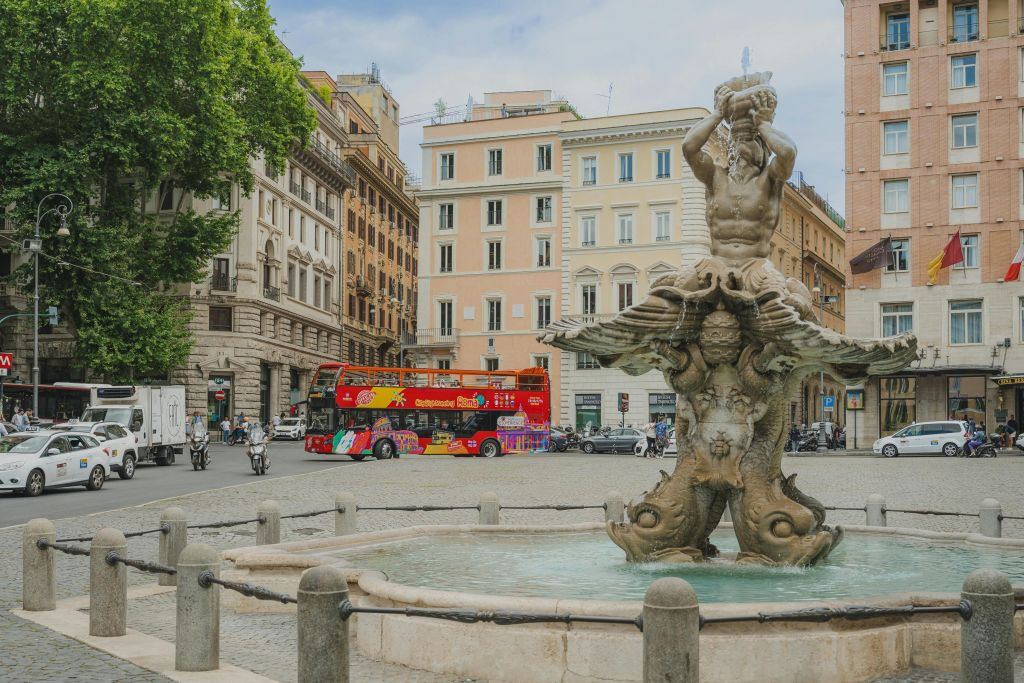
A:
(490, 449)
(384, 449)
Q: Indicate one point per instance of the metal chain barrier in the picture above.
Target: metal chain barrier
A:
(851, 509)
(113, 558)
(500, 617)
(933, 512)
(43, 544)
(552, 507)
(415, 508)
(221, 525)
(247, 589)
(852, 613)
(315, 513)
(163, 529)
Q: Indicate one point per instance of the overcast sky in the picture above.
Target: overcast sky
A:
(657, 54)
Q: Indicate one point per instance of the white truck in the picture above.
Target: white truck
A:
(155, 415)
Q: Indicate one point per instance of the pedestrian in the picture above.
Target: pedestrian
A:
(661, 434)
(19, 420)
(972, 427)
(29, 415)
(276, 420)
(1011, 432)
(3, 429)
(225, 428)
(651, 432)
(794, 437)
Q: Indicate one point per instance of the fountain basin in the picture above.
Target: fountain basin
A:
(564, 568)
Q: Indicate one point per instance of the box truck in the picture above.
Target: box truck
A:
(154, 414)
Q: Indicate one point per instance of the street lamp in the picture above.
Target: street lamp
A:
(35, 246)
(821, 374)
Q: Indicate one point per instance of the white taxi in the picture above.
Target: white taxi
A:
(115, 437)
(32, 461)
(946, 438)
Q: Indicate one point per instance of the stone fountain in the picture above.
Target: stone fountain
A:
(734, 338)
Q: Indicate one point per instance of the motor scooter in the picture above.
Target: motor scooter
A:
(259, 457)
(199, 446)
(238, 436)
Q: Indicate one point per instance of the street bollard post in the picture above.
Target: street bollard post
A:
(671, 619)
(874, 510)
(990, 518)
(173, 540)
(489, 508)
(322, 632)
(197, 641)
(108, 584)
(268, 529)
(38, 567)
(986, 638)
(613, 507)
(345, 511)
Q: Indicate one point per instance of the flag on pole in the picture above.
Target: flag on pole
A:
(1013, 273)
(951, 254)
(878, 255)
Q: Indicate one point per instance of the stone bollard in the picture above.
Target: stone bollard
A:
(197, 641)
(268, 529)
(671, 632)
(613, 507)
(322, 632)
(345, 510)
(990, 518)
(489, 508)
(875, 510)
(986, 639)
(38, 567)
(108, 584)
(173, 540)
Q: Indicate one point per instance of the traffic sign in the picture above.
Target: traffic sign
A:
(219, 395)
(6, 361)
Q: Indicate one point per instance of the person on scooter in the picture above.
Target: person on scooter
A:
(976, 440)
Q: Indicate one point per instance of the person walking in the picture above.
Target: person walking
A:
(1011, 432)
(651, 432)
(225, 428)
(20, 421)
(794, 438)
(661, 435)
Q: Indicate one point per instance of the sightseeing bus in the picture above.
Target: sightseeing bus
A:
(382, 412)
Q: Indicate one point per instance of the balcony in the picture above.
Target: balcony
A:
(306, 196)
(272, 293)
(324, 208)
(438, 337)
(663, 238)
(295, 188)
(333, 160)
(588, 318)
(329, 211)
(588, 243)
(893, 42)
(964, 34)
(625, 240)
(364, 286)
(590, 181)
(222, 282)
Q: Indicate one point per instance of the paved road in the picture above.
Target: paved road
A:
(230, 467)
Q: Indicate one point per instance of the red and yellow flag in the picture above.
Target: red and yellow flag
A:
(951, 253)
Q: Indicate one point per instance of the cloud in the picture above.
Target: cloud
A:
(657, 55)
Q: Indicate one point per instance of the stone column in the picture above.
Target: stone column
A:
(489, 508)
(875, 510)
(671, 632)
(613, 507)
(38, 567)
(990, 518)
(345, 514)
(322, 632)
(268, 529)
(197, 634)
(172, 541)
(108, 584)
(986, 639)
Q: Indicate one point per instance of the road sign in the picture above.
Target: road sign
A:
(829, 403)
(623, 403)
(219, 395)
(6, 361)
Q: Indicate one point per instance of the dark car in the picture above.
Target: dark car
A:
(558, 440)
(614, 441)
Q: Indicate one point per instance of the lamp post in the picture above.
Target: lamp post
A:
(821, 373)
(35, 246)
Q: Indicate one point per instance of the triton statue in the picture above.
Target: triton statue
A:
(734, 338)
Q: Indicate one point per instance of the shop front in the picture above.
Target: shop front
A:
(662, 405)
(588, 411)
(1010, 398)
(218, 400)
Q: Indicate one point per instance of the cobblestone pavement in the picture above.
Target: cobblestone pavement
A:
(932, 483)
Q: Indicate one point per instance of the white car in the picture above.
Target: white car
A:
(640, 449)
(945, 438)
(293, 428)
(33, 461)
(120, 443)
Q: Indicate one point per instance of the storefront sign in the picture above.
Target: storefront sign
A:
(662, 400)
(589, 400)
(1008, 381)
(855, 399)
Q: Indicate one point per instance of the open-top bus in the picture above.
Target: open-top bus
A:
(382, 412)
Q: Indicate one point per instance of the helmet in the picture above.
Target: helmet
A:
(245, 419)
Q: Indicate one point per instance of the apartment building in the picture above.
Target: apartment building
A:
(491, 256)
(933, 145)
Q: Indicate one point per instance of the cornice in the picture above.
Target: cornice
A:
(555, 183)
(602, 135)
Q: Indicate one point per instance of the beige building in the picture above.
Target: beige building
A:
(933, 131)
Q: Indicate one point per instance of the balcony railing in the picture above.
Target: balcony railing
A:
(295, 188)
(663, 238)
(333, 160)
(588, 317)
(625, 240)
(222, 282)
(588, 243)
(437, 336)
(626, 179)
(329, 210)
(307, 196)
(961, 34)
(891, 42)
(590, 181)
(272, 293)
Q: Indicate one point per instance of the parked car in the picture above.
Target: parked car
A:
(640, 449)
(293, 428)
(1020, 442)
(558, 440)
(33, 461)
(945, 438)
(118, 441)
(614, 441)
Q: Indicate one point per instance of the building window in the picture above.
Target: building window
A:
(491, 364)
(444, 364)
(316, 291)
(543, 312)
(494, 212)
(590, 170)
(897, 31)
(964, 71)
(447, 259)
(965, 191)
(445, 317)
(895, 137)
(967, 397)
(222, 200)
(544, 157)
(625, 221)
(897, 403)
(446, 220)
(494, 255)
(969, 247)
(965, 131)
(894, 79)
(662, 226)
(494, 162)
(543, 209)
(626, 167)
(897, 196)
(900, 262)
(543, 252)
(588, 299)
(351, 308)
(584, 361)
(965, 23)
(542, 361)
(965, 322)
(220, 318)
(494, 315)
(664, 163)
(897, 319)
(448, 166)
(291, 278)
(302, 284)
(588, 231)
(625, 295)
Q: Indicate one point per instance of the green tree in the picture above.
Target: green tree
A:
(125, 106)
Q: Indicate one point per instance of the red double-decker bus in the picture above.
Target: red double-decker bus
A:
(382, 412)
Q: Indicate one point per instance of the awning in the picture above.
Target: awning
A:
(947, 370)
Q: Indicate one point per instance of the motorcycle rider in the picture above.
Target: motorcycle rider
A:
(977, 439)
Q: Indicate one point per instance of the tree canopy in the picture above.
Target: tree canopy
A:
(103, 100)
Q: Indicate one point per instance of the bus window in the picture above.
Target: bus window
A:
(326, 378)
(323, 420)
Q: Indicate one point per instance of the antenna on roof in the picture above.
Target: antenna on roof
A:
(469, 109)
(374, 72)
(608, 97)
